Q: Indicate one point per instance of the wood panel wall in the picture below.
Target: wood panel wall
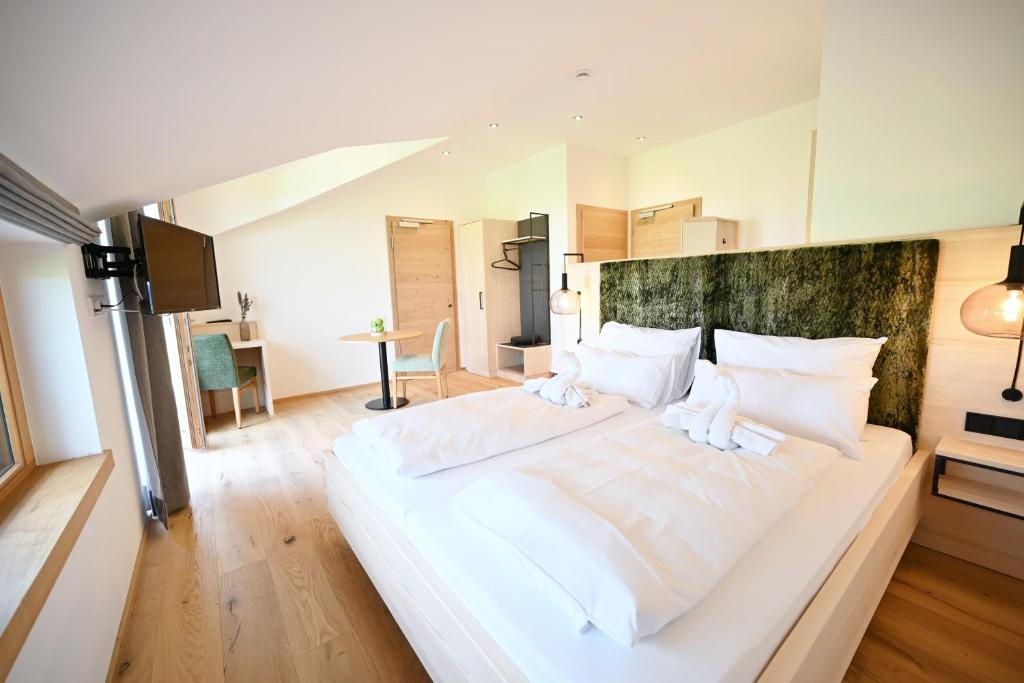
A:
(660, 234)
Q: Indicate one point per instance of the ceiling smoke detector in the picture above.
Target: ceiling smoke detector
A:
(582, 75)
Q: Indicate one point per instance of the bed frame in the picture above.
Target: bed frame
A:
(454, 647)
(863, 290)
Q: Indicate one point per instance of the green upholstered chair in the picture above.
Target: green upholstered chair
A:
(217, 369)
(426, 365)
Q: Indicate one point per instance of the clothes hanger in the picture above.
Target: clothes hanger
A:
(500, 264)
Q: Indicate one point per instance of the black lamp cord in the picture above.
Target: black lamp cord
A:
(1012, 391)
(565, 268)
(579, 335)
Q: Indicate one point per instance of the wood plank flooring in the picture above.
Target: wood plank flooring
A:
(254, 582)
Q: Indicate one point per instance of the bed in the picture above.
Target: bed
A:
(794, 608)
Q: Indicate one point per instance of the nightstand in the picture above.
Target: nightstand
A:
(983, 476)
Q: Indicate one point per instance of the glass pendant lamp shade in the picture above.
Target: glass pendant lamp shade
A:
(998, 310)
(567, 302)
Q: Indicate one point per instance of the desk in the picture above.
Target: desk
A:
(384, 402)
(253, 352)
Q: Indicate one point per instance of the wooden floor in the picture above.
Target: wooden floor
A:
(256, 583)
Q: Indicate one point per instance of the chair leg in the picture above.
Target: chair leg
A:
(437, 377)
(444, 378)
(238, 406)
(256, 396)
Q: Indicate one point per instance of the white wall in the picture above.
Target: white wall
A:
(51, 360)
(921, 112)
(756, 171)
(597, 179)
(320, 269)
(537, 183)
(242, 200)
(78, 413)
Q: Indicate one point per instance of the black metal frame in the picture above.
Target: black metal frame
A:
(102, 262)
(940, 469)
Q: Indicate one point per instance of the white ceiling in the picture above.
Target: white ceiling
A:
(125, 102)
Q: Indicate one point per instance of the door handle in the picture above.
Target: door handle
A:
(480, 299)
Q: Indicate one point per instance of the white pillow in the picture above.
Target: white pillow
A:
(640, 379)
(829, 410)
(684, 345)
(838, 357)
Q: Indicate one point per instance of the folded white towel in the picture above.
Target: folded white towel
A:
(562, 389)
(752, 436)
(554, 389)
(720, 430)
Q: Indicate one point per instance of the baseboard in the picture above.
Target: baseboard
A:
(325, 392)
(129, 602)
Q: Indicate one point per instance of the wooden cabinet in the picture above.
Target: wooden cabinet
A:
(519, 363)
(707, 234)
(488, 297)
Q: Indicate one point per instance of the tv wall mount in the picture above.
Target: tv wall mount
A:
(102, 262)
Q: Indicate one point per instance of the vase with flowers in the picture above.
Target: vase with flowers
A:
(244, 303)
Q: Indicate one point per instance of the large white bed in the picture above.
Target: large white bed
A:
(472, 615)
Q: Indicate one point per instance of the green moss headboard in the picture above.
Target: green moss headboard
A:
(852, 290)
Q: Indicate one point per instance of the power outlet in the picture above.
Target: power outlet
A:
(96, 304)
(1006, 427)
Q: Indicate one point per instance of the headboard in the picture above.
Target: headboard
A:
(851, 290)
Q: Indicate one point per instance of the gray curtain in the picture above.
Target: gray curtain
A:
(28, 203)
(155, 391)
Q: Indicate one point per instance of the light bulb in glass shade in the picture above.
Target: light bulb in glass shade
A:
(565, 302)
(995, 311)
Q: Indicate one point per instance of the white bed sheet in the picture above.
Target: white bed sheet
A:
(728, 636)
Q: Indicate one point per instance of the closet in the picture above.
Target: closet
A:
(488, 296)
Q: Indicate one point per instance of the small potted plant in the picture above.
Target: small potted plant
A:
(244, 303)
(377, 327)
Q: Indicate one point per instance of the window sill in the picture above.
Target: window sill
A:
(40, 522)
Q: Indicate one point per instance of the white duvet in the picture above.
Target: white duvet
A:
(630, 530)
(436, 436)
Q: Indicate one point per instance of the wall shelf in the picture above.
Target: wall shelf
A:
(986, 477)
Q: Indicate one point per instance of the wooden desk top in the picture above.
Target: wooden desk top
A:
(251, 344)
(387, 336)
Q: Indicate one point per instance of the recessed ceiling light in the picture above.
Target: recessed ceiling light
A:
(492, 124)
(577, 117)
(582, 74)
(446, 153)
(641, 138)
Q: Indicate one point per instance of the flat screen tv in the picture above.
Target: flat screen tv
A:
(178, 269)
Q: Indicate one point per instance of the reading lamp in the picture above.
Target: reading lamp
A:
(565, 301)
(998, 310)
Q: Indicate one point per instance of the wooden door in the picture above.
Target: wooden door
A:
(602, 234)
(473, 288)
(422, 264)
(190, 382)
(658, 230)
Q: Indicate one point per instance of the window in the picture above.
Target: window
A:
(16, 458)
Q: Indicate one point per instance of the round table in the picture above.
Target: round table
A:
(385, 402)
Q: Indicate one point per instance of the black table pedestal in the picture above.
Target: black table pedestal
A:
(386, 402)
